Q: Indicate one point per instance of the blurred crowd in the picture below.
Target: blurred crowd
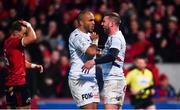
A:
(150, 27)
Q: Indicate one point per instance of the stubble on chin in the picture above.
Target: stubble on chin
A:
(106, 31)
(91, 30)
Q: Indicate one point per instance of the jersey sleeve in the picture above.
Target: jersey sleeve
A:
(81, 43)
(116, 43)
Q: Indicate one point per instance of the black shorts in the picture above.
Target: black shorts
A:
(18, 96)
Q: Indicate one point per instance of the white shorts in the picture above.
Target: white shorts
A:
(114, 91)
(84, 92)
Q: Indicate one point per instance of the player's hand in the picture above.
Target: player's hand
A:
(87, 66)
(26, 23)
(40, 68)
(94, 35)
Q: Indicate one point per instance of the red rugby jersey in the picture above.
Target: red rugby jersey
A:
(14, 54)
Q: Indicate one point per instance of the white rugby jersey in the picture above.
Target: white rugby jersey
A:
(78, 44)
(114, 70)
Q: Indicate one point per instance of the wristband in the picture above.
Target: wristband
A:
(95, 42)
(33, 65)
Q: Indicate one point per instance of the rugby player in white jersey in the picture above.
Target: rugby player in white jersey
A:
(82, 47)
(112, 61)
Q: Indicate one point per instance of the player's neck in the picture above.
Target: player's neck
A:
(15, 35)
(82, 29)
(113, 30)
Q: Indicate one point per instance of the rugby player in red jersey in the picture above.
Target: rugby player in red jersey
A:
(17, 93)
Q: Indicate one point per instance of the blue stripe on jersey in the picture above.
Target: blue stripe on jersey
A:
(115, 64)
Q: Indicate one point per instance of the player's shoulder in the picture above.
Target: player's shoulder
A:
(74, 34)
(119, 35)
(77, 35)
(116, 38)
(9, 39)
(148, 71)
(133, 71)
(11, 42)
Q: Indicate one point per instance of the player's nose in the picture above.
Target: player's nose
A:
(93, 23)
(102, 24)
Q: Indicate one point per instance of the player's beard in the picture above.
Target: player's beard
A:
(106, 30)
(91, 28)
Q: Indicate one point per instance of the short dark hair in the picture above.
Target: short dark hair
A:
(141, 56)
(81, 14)
(115, 17)
(17, 26)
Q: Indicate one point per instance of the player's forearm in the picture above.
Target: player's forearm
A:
(91, 50)
(110, 57)
(32, 34)
(105, 59)
(29, 65)
(30, 38)
(34, 66)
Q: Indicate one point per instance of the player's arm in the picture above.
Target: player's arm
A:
(34, 66)
(31, 35)
(92, 49)
(84, 46)
(110, 57)
(112, 54)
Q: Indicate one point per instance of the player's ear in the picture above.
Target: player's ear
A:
(80, 23)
